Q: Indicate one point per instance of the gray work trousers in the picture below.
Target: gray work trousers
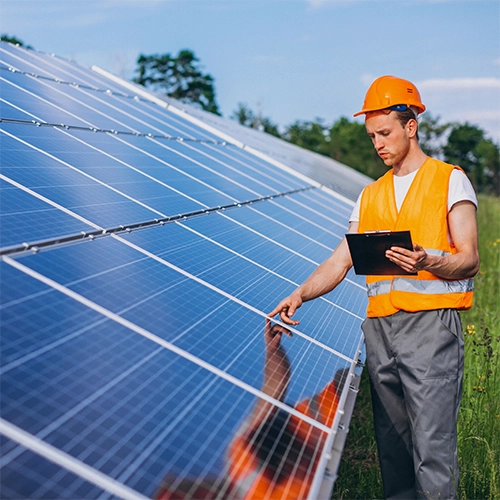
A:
(415, 363)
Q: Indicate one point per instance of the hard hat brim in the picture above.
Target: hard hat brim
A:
(420, 108)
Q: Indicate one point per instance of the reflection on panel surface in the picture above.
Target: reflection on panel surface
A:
(139, 362)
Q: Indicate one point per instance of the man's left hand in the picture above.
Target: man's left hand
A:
(410, 261)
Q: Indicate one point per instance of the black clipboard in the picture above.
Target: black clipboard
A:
(368, 251)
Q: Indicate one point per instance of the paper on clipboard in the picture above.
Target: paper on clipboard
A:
(368, 251)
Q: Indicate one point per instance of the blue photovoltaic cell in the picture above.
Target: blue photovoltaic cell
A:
(30, 476)
(267, 219)
(146, 355)
(25, 60)
(278, 259)
(159, 118)
(39, 101)
(24, 218)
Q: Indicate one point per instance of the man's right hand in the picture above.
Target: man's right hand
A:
(287, 307)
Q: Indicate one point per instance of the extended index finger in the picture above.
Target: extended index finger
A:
(280, 307)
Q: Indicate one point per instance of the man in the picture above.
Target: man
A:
(413, 334)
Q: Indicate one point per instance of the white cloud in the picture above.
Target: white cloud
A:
(447, 84)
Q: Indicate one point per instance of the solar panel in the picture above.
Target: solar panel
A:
(140, 252)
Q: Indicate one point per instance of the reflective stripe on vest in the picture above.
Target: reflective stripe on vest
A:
(420, 286)
(378, 288)
(435, 287)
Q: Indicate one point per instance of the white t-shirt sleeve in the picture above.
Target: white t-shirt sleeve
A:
(355, 211)
(460, 189)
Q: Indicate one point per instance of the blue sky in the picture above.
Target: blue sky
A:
(289, 59)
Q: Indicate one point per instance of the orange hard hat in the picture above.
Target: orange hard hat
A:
(388, 91)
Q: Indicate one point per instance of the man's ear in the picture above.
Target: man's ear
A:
(412, 127)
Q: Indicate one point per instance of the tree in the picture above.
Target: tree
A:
(431, 135)
(178, 77)
(14, 40)
(468, 147)
(489, 154)
(245, 116)
(350, 144)
(312, 135)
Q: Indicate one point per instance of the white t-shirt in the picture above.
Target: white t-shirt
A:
(460, 189)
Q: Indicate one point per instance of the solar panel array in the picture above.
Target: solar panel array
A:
(327, 171)
(140, 253)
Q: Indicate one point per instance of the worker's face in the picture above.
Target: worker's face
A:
(390, 139)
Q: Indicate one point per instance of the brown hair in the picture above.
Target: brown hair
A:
(405, 116)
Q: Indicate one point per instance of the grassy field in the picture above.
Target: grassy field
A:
(479, 419)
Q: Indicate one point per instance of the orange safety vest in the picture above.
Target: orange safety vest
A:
(249, 476)
(425, 213)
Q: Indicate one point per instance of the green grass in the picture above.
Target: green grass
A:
(479, 418)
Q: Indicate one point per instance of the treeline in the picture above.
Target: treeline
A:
(346, 141)
(182, 77)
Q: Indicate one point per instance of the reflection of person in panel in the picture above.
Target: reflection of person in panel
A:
(274, 454)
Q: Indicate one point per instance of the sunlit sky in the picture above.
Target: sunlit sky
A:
(289, 59)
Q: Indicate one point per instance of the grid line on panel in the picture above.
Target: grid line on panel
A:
(139, 171)
(58, 80)
(229, 166)
(50, 103)
(270, 271)
(68, 462)
(149, 109)
(168, 345)
(91, 177)
(41, 57)
(317, 213)
(117, 109)
(179, 418)
(152, 442)
(48, 201)
(12, 455)
(285, 247)
(92, 126)
(240, 155)
(232, 297)
(107, 131)
(100, 231)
